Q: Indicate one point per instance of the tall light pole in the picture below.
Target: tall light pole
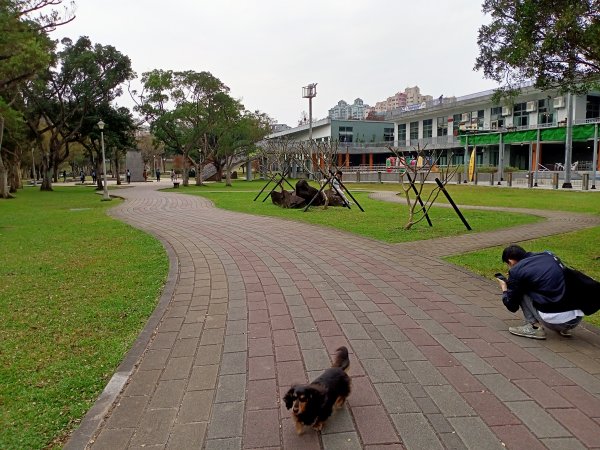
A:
(310, 92)
(568, 142)
(105, 196)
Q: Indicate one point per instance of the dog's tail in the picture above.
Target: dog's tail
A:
(341, 359)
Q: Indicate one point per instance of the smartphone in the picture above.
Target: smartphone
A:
(500, 276)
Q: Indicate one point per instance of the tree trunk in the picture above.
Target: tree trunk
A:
(228, 172)
(14, 175)
(46, 174)
(199, 174)
(3, 175)
(4, 190)
(219, 174)
(55, 170)
(185, 176)
(117, 168)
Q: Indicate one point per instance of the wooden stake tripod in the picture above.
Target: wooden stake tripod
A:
(282, 178)
(330, 181)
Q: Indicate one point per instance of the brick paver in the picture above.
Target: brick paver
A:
(254, 304)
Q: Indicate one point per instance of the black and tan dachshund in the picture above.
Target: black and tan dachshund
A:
(313, 403)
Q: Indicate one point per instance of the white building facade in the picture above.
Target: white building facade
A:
(530, 133)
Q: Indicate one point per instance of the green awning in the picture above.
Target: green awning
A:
(583, 132)
(520, 136)
(580, 133)
(553, 134)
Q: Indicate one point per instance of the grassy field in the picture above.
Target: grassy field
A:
(382, 220)
(77, 288)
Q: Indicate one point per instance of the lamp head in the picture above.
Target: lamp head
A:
(101, 125)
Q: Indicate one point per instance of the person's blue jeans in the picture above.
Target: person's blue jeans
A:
(533, 316)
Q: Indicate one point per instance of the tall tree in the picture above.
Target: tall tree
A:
(239, 138)
(25, 51)
(119, 135)
(86, 75)
(187, 111)
(554, 43)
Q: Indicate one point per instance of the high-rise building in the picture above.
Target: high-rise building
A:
(343, 111)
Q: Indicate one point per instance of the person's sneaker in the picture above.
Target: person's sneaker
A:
(528, 331)
(565, 333)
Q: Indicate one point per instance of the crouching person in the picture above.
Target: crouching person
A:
(536, 284)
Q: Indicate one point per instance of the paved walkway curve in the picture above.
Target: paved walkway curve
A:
(254, 304)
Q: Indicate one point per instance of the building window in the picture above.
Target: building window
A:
(477, 118)
(457, 118)
(402, 134)
(545, 114)
(442, 126)
(428, 128)
(414, 130)
(345, 134)
(496, 119)
(520, 115)
(388, 135)
(592, 107)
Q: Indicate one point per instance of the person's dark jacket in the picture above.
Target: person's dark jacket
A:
(540, 276)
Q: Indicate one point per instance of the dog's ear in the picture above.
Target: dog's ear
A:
(289, 397)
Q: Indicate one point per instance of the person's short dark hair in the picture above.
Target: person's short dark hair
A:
(338, 173)
(514, 252)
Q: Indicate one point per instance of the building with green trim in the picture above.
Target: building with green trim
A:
(529, 133)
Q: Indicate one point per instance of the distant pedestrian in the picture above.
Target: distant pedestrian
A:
(128, 176)
(82, 176)
(145, 174)
(94, 176)
(157, 174)
(64, 174)
(172, 175)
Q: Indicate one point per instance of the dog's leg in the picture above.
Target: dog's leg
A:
(339, 403)
(318, 426)
(299, 427)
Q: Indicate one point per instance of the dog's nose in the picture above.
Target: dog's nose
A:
(295, 409)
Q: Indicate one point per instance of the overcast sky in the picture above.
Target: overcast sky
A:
(266, 50)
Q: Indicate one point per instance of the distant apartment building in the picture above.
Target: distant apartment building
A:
(398, 100)
(410, 96)
(343, 111)
(414, 97)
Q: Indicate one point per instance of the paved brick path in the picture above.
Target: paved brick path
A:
(254, 304)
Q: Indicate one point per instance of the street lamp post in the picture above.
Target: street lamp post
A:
(310, 92)
(105, 195)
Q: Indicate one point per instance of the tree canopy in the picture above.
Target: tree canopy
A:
(552, 43)
(86, 77)
(193, 114)
(25, 52)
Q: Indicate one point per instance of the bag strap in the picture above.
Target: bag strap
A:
(556, 258)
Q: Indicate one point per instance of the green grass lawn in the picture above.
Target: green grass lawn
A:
(77, 288)
(382, 220)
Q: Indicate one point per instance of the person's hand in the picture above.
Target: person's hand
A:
(502, 284)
